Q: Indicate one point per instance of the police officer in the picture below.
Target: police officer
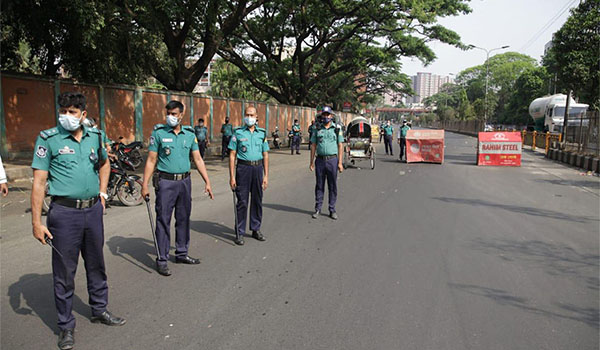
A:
(251, 174)
(402, 138)
(170, 147)
(311, 129)
(296, 137)
(388, 131)
(201, 135)
(72, 159)
(227, 131)
(381, 132)
(326, 144)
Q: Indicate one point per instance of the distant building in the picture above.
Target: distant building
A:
(204, 84)
(425, 85)
(547, 47)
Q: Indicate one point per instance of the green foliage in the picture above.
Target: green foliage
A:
(531, 84)
(228, 81)
(575, 54)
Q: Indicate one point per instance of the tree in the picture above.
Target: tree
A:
(305, 51)
(575, 53)
(531, 84)
(228, 81)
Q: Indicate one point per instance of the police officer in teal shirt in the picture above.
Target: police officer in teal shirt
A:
(227, 132)
(250, 176)
(402, 138)
(72, 159)
(169, 151)
(326, 143)
(388, 134)
(202, 135)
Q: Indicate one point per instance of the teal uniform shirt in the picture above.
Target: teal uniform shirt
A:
(173, 149)
(311, 128)
(227, 129)
(403, 130)
(200, 132)
(327, 139)
(388, 129)
(296, 129)
(249, 145)
(71, 165)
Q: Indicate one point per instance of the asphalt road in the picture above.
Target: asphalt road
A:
(424, 256)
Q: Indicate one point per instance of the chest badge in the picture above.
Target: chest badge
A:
(93, 156)
(244, 148)
(167, 151)
(66, 150)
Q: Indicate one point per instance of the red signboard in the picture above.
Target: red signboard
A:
(425, 146)
(346, 106)
(499, 148)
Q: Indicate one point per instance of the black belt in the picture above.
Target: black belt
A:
(75, 203)
(176, 177)
(332, 156)
(250, 162)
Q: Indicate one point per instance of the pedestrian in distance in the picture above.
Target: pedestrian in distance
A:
(202, 136)
(296, 137)
(169, 152)
(402, 138)
(3, 180)
(227, 132)
(326, 147)
(249, 173)
(388, 131)
(381, 133)
(311, 130)
(72, 159)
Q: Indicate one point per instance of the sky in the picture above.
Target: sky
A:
(492, 24)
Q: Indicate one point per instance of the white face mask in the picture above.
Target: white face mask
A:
(68, 122)
(172, 121)
(250, 121)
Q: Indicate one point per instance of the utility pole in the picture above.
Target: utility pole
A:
(487, 73)
(566, 118)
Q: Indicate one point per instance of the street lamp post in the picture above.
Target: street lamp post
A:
(487, 73)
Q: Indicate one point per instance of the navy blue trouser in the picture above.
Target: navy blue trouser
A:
(202, 147)
(326, 169)
(402, 146)
(387, 139)
(296, 143)
(75, 231)
(249, 180)
(173, 194)
(225, 146)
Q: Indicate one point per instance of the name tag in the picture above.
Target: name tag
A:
(167, 140)
(66, 150)
(243, 140)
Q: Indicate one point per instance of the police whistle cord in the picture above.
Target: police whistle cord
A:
(49, 242)
(237, 233)
(147, 199)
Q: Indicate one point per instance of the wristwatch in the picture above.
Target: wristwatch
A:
(104, 195)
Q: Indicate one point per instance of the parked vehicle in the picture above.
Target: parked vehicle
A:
(548, 112)
(130, 154)
(126, 187)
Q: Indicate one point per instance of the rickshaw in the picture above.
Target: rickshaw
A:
(358, 142)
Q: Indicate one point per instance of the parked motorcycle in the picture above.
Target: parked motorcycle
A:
(126, 187)
(130, 154)
(276, 140)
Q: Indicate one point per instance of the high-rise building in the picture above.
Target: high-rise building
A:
(426, 84)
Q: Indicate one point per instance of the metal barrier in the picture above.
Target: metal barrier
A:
(540, 139)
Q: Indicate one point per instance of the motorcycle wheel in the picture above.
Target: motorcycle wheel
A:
(136, 158)
(130, 197)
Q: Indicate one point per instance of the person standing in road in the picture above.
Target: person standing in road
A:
(227, 132)
(381, 132)
(201, 135)
(402, 138)
(170, 148)
(296, 134)
(3, 181)
(72, 159)
(326, 144)
(388, 131)
(250, 176)
(311, 130)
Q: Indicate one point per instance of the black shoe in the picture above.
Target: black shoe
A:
(239, 241)
(315, 215)
(108, 319)
(297, 152)
(258, 236)
(333, 215)
(187, 260)
(163, 270)
(66, 339)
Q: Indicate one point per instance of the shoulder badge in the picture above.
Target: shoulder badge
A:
(159, 126)
(49, 132)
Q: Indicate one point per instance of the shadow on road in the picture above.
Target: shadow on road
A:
(33, 295)
(282, 207)
(463, 159)
(221, 232)
(554, 258)
(519, 209)
(138, 251)
(576, 183)
(587, 315)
